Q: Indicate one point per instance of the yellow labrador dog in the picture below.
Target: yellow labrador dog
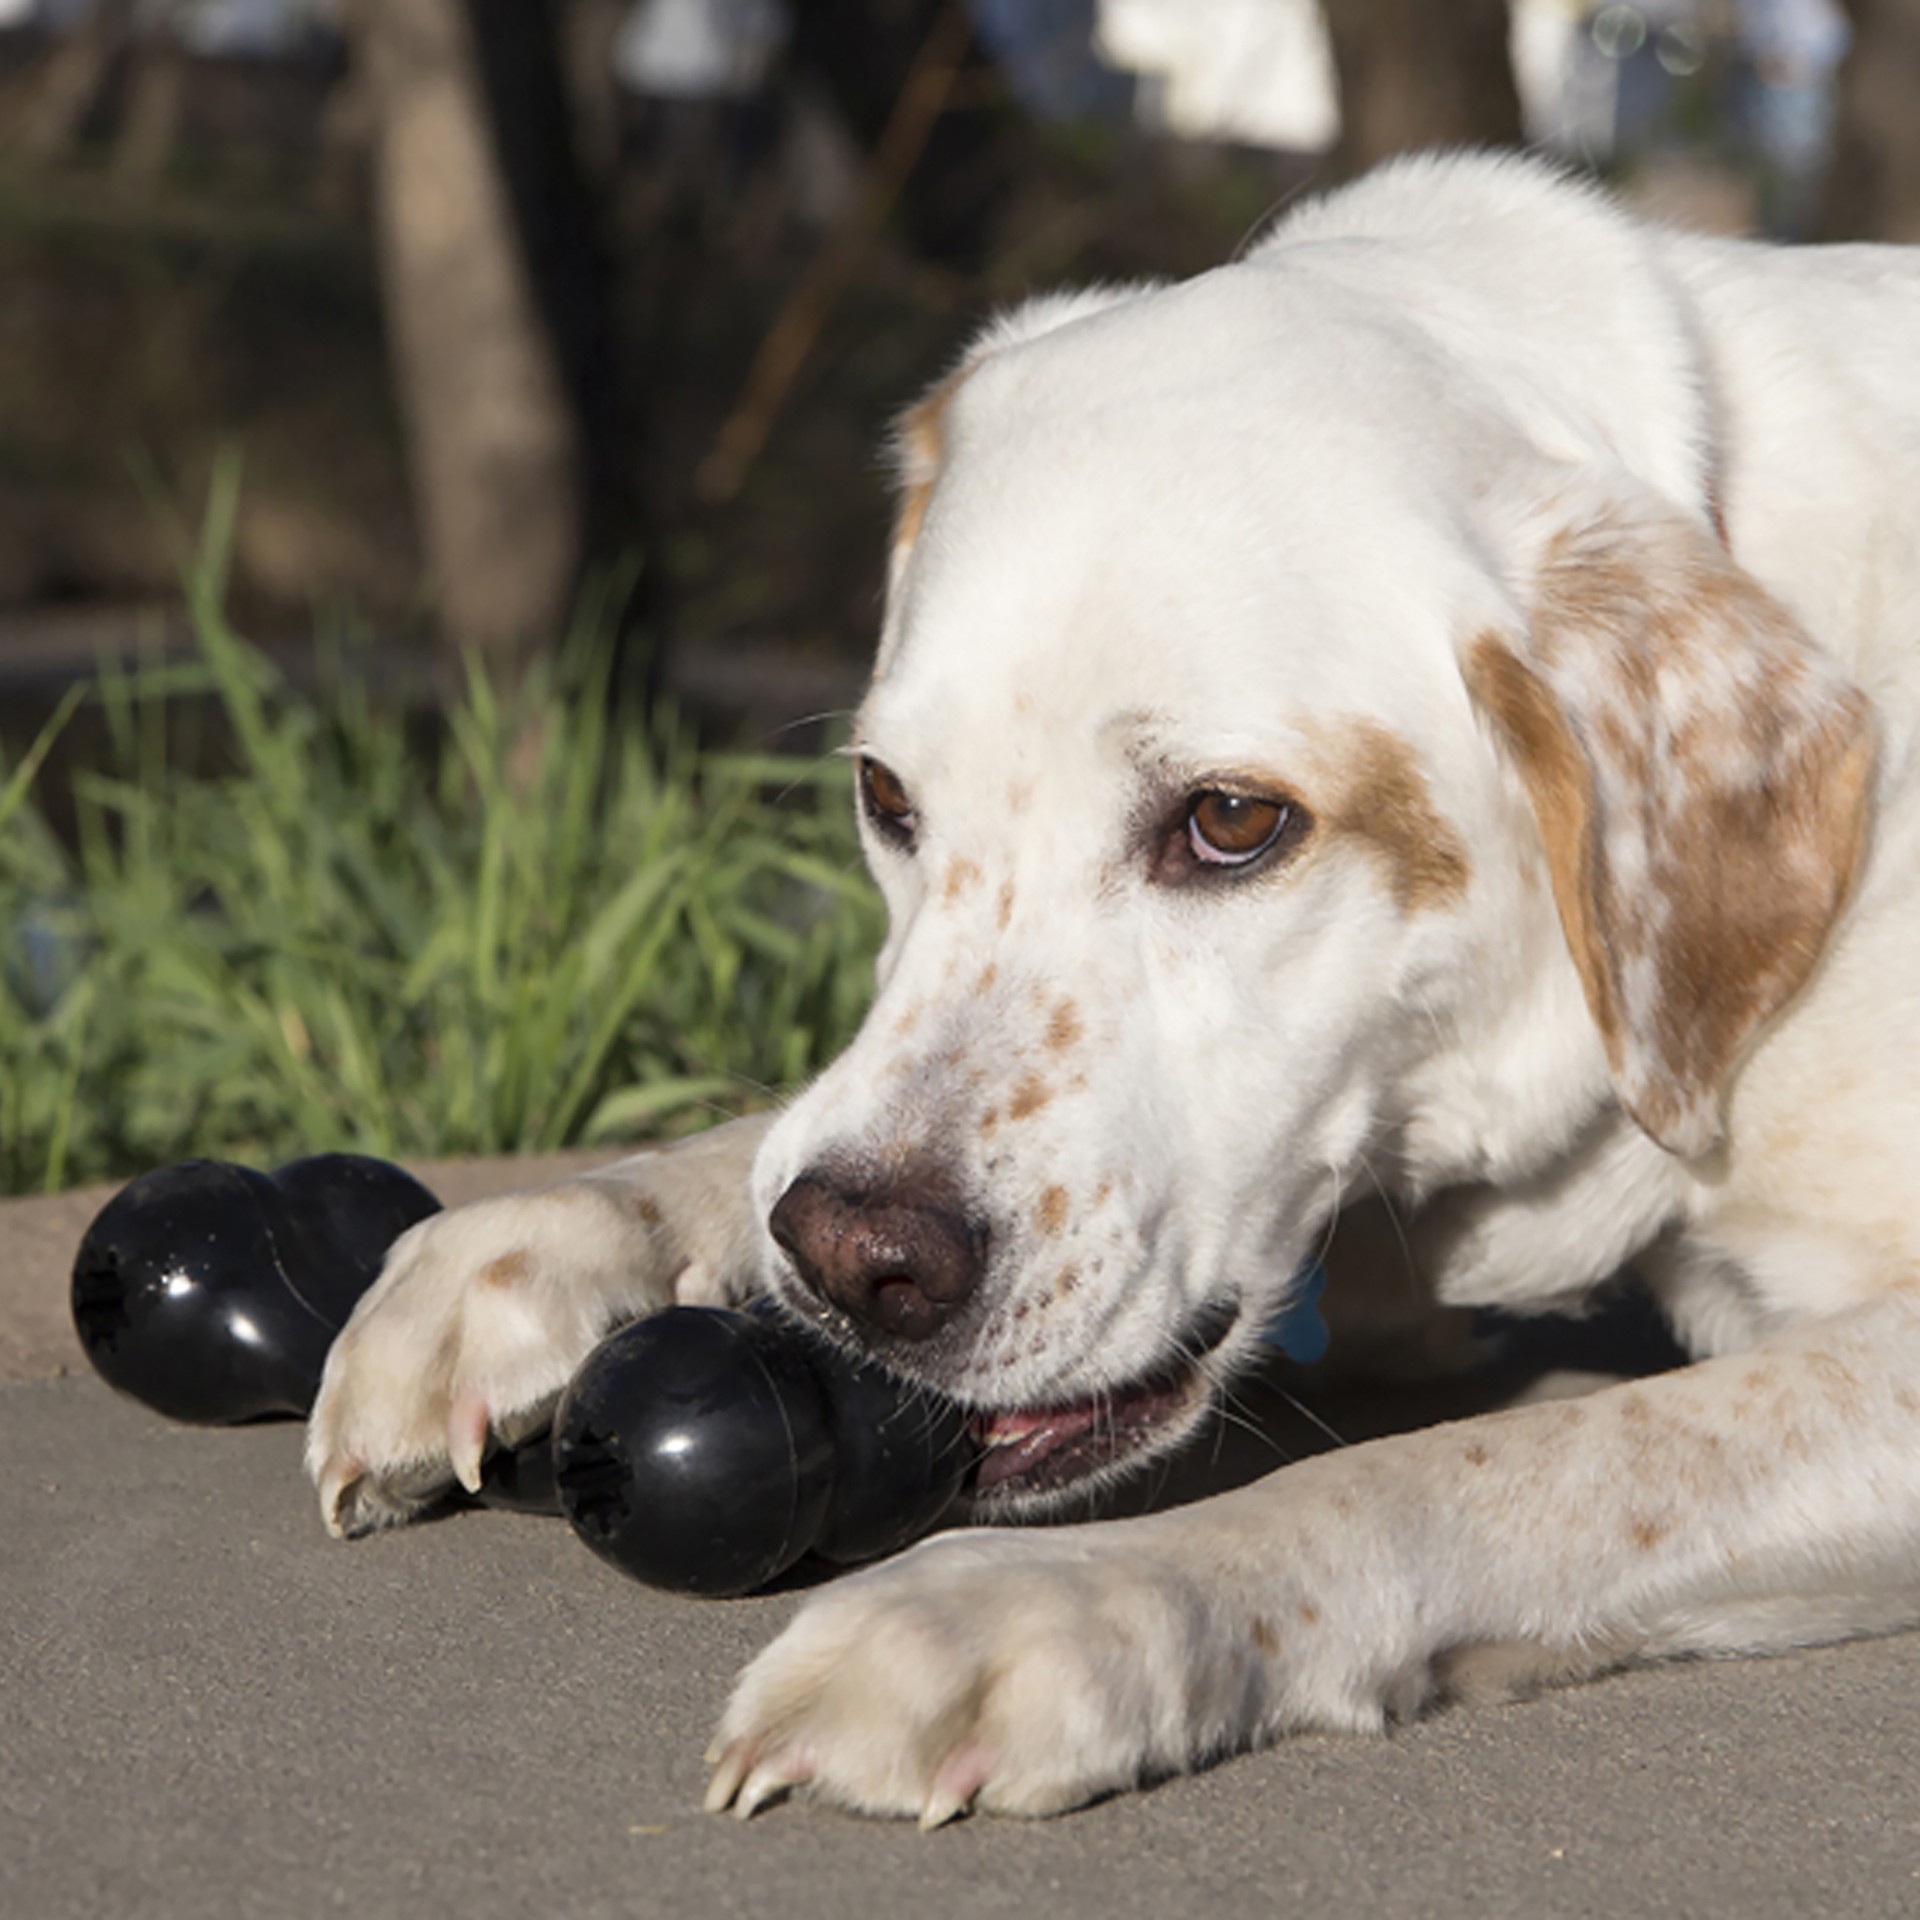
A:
(1429, 708)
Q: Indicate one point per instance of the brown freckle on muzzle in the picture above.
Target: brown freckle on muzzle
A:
(1063, 1029)
(1052, 1213)
(1065, 1281)
(1005, 915)
(961, 877)
(1029, 1096)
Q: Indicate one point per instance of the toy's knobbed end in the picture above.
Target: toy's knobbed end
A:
(211, 1291)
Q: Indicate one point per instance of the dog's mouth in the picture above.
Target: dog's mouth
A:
(1027, 1451)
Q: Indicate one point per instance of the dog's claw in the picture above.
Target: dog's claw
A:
(743, 1782)
(336, 1482)
(767, 1782)
(731, 1765)
(468, 1423)
(942, 1807)
(955, 1787)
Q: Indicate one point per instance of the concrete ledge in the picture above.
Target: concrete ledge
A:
(209, 1709)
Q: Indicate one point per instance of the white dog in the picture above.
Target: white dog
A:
(1429, 708)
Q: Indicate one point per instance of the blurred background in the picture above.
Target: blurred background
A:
(491, 292)
(404, 330)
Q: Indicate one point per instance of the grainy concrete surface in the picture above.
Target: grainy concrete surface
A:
(209, 1709)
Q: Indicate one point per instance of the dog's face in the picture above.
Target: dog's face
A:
(1213, 883)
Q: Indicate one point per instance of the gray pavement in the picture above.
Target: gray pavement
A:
(208, 1709)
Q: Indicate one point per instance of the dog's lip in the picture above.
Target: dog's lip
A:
(1038, 1449)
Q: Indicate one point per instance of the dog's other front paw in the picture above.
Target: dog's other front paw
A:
(1016, 1672)
(482, 1314)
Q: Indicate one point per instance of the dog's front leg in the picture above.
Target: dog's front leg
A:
(1766, 1499)
(481, 1314)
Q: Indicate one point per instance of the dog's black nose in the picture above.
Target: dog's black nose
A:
(901, 1256)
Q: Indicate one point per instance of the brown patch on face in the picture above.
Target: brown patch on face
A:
(1063, 1029)
(1379, 799)
(962, 876)
(1264, 1636)
(1646, 1534)
(507, 1271)
(1004, 915)
(1309, 1614)
(1052, 1211)
(1700, 776)
(648, 1211)
(1030, 1094)
(989, 1120)
(1065, 1282)
(1477, 1455)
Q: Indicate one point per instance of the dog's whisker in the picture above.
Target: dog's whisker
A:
(1313, 1419)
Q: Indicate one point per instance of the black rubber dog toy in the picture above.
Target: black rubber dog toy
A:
(699, 1450)
(212, 1292)
(705, 1451)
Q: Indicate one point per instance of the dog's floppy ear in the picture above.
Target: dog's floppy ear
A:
(1700, 773)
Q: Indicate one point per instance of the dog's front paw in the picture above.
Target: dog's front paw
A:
(1008, 1671)
(476, 1323)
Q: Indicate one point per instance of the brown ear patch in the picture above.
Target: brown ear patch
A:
(920, 440)
(1700, 774)
(1559, 783)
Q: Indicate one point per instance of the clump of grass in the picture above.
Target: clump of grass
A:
(352, 941)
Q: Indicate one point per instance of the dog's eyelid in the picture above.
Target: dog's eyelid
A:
(886, 803)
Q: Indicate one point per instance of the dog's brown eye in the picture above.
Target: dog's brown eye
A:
(1231, 829)
(887, 802)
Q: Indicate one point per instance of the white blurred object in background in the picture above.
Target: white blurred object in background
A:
(700, 49)
(1255, 71)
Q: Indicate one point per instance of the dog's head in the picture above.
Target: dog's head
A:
(1283, 774)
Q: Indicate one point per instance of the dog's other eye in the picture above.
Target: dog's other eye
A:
(1233, 829)
(888, 804)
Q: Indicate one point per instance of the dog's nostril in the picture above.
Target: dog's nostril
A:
(902, 1258)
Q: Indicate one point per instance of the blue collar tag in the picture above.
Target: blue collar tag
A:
(1298, 1330)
